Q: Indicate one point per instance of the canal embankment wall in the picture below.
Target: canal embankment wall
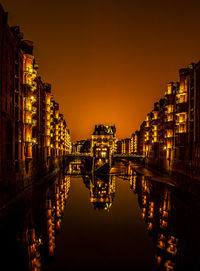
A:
(184, 174)
(184, 167)
(17, 183)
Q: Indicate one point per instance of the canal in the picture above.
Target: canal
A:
(124, 221)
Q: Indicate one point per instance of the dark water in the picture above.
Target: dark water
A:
(112, 222)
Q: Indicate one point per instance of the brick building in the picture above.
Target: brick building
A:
(124, 146)
(33, 133)
(170, 134)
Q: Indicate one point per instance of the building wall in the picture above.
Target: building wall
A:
(170, 134)
(33, 133)
(10, 100)
(105, 136)
(124, 146)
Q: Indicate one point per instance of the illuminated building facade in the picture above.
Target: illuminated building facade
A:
(103, 141)
(33, 133)
(141, 139)
(170, 139)
(186, 116)
(182, 108)
(159, 131)
(170, 119)
(124, 146)
(147, 135)
(29, 99)
(79, 145)
(135, 142)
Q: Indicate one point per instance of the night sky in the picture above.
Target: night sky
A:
(108, 60)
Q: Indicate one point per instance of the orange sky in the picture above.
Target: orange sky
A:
(108, 60)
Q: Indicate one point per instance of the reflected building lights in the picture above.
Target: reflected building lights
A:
(102, 192)
(156, 214)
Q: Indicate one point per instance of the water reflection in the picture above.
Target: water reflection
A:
(55, 204)
(102, 191)
(171, 219)
(155, 204)
(171, 222)
(29, 230)
(41, 237)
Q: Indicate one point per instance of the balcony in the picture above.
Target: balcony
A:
(48, 108)
(34, 122)
(169, 133)
(34, 100)
(181, 128)
(28, 122)
(27, 108)
(34, 109)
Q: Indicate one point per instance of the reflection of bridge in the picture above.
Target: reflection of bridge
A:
(77, 162)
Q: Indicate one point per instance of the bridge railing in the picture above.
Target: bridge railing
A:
(78, 154)
(126, 155)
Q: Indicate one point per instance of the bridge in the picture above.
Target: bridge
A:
(129, 155)
(78, 154)
(80, 162)
(116, 155)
